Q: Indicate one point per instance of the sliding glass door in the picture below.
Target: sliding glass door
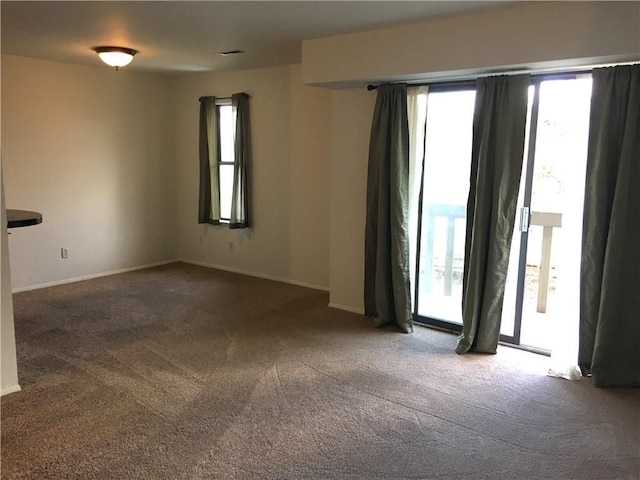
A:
(543, 277)
(543, 280)
(445, 188)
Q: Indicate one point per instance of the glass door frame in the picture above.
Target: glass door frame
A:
(521, 221)
(444, 87)
(523, 215)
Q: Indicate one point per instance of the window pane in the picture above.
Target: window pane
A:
(446, 188)
(555, 232)
(227, 134)
(226, 190)
(227, 126)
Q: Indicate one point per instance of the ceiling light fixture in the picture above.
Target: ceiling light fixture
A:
(115, 56)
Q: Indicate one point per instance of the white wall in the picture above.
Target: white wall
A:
(310, 149)
(536, 34)
(351, 114)
(8, 364)
(92, 149)
(290, 126)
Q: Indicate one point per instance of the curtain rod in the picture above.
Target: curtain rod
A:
(463, 82)
(217, 98)
(224, 99)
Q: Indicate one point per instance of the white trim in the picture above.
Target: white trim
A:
(257, 275)
(90, 276)
(11, 389)
(359, 311)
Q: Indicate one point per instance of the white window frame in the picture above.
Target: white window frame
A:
(229, 160)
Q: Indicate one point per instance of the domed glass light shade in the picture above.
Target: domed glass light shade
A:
(115, 56)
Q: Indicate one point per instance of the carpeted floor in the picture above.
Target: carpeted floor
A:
(181, 372)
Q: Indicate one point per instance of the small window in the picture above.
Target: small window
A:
(225, 158)
(226, 163)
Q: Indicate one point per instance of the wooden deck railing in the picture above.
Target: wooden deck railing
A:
(547, 220)
(451, 213)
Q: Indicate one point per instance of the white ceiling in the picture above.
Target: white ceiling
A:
(185, 36)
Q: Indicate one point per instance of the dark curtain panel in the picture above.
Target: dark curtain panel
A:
(496, 164)
(209, 196)
(387, 280)
(609, 347)
(242, 155)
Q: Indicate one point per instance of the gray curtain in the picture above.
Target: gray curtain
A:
(609, 347)
(209, 196)
(387, 280)
(496, 164)
(242, 152)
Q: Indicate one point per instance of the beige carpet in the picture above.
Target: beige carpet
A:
(182, 372)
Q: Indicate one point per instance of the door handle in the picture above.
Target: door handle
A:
(524, 219)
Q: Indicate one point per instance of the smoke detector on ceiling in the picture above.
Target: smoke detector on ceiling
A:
(229, 53)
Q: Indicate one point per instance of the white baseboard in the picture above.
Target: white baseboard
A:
(89, 277)
(359, 311)
(11, 389)
(257, 275)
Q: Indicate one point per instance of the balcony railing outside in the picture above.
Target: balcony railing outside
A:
(449, 269)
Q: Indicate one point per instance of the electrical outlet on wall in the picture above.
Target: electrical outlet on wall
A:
(64, 252)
